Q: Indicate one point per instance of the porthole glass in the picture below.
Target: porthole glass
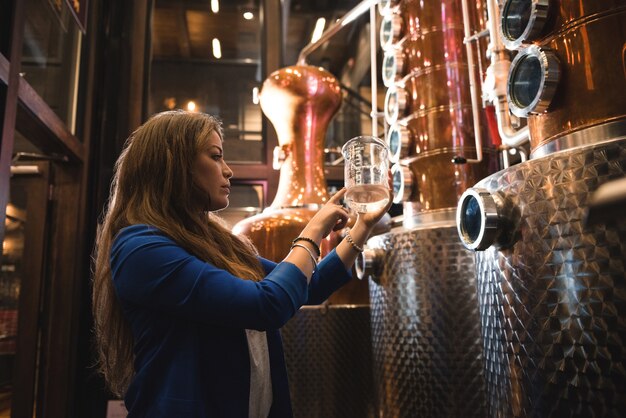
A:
(402, 182)
(523, 21)
(398, 142)
(533, 80)
(389, 68)
(390, 30)
(515, 16)
(526, 81)
(392, 105)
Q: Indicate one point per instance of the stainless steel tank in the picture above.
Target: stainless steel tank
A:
(425, 321)
(552, 288)
(328, 351)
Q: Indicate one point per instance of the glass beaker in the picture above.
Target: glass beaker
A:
(365, 173)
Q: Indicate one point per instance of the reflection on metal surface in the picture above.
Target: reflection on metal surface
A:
(425, 326)
(414, 218)
(443, 183)
(328, 354)
(605, 132)
(369, 264)
(553, 304)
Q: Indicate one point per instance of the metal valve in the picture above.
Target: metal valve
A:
(369, 263)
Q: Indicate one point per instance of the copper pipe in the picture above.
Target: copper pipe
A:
(374, 71)
(348, 18)
(499, 70)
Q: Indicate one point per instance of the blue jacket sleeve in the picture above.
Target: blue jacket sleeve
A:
(331, 275)
(150, 270)
(267, 265)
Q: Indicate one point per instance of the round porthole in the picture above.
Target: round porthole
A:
(402, 180)
(477, 219)
(390, 30)
(393, 63)
(395, 103)
(533, 78)
(398, 142)
(523, 21)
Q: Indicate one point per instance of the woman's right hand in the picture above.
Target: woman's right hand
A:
(331, 217)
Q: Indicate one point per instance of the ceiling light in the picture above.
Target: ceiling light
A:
(217, 48)
(255, 95)
(319, 29)
(248, 15)
(191, 106)
(215, 6)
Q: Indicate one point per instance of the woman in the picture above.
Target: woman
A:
(187, 314)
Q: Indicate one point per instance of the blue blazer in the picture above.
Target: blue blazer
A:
(188, 319)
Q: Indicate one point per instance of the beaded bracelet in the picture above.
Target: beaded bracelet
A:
(352, 243)
(310, 254)
(309, 240)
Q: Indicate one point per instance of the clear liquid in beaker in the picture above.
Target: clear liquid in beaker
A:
(367, 197)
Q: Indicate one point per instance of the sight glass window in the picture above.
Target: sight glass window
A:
(526, 81)
(516, 15)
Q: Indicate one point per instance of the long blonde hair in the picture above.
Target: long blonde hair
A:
(153, 185)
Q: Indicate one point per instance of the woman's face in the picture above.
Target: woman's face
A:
(211, 174)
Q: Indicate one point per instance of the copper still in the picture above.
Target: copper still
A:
(300, 101)
(425, 316)
(431, 107)
(552, 287)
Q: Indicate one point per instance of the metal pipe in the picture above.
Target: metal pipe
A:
(373, 70)
(472, 85)
(499, 71)
(357, 11)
